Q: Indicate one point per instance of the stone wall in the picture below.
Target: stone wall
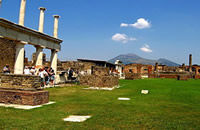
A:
(196, 76)
(24, 97)
(131, 76)
(181, 76)
(76, 65)
(99, 81)
(22, 82)
(7, 54)
(22, 89)
(100, 71)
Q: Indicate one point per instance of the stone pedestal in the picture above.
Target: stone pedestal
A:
(24, 97)
(22, 90)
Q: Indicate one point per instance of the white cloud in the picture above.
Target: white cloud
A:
(124, 25)
(146, 48)
(140, 24)
(122, 38)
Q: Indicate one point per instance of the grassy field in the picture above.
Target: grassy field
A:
(170, 104)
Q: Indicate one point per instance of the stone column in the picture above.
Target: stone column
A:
(39, 56)
(190, 63)
(54, 58)
(22, 12)
(41, 22)
(19, 58)
(55, 32)
(156, 67)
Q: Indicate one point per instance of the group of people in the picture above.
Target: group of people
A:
(47, 74)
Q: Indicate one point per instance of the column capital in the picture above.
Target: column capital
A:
(42, 8)
(56, 16)
(21, 42)
(38, 46)
(55, 50)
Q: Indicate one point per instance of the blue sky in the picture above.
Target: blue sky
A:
(91, 28)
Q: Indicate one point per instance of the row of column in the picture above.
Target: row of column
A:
(19, 58)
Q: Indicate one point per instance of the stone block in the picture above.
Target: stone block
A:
(99, 81)
(24, 97)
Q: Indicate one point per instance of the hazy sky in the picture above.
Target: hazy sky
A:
(103, 29)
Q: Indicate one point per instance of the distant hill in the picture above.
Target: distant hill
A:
(133, 58)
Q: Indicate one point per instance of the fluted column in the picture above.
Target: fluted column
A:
(22, 12)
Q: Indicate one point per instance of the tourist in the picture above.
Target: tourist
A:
(46, 76)
(41, 74)
(27, 70)
(52, 76)
(33, 71)
(70, 74)
(6, 69)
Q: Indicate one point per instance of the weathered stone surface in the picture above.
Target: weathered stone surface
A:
(132, 76)
(100, 71)
(24, 97)
(21, 82)
(99, 81)
(7, 53)
(182, 77)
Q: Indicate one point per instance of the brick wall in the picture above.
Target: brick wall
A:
(7, 53)
(24, 97)
(99, 81)
(132, 76)
(100, 71)
(22, 82)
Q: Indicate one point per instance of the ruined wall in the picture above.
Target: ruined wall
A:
(7, 54)
(24, 97)
(80, 66)
(22, 89)
(99, 81)
(131, 76)
(22, 82)
(100, 71)
(181, 76)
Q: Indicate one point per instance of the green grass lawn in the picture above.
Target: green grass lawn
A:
(170, 104)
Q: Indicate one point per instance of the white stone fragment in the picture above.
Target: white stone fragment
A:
(75, 118)
(124, 99)
(99, 88)
(145, 91)
(25, 107)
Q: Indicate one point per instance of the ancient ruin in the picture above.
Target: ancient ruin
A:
(17, 88)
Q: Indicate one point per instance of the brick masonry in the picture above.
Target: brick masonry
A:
(24, 97)
(131, 76)
(99, 81)
(22, 89)
(7, 54)
(22, 82)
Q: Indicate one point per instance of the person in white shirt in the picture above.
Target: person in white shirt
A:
(33, 71)
(27, 71)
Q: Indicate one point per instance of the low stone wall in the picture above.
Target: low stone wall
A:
(196, 76)
(131, 76)
(7, 54)
(99, 81)
(24, 97)
(172, 76)
(22, 89)
(22, 82)
(100, 71)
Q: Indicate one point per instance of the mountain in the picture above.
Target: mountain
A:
(133, 58)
